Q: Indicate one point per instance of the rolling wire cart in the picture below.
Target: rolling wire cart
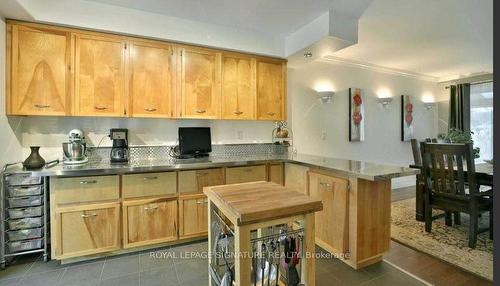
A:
(274, 261)
(24, 215)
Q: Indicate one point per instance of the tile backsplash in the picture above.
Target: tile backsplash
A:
(51, 132)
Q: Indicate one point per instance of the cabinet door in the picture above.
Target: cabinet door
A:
(152, 80)
(332, 222)
(296, 177)
(194, 181)
(149, 184)
(193, 215)
(40, 75)
(87, 230)
(149, 222)
(271, 90)
(200, 83)
(276, 173)
(99, 76)
(238, 87)
(235, 175)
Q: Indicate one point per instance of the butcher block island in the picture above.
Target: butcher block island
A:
(257, 206)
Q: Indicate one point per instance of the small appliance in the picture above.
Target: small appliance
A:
(194, 142)
(119, 152)
(75, 151)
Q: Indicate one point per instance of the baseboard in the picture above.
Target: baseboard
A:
(403, 182)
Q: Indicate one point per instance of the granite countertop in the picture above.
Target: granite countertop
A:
(351, 168)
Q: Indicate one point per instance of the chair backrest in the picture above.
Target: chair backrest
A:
(415, 148)
(443, 169)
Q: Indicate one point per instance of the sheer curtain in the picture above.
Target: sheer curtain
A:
(481, 118)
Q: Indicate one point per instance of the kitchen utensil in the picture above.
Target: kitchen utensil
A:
(263, 261)
(75, 151)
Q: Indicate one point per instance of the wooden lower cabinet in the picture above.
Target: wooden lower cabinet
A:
(149, 221)
(276, 173)
(193, 216)
(85, 230)
(235, 175)
(332, 226)
(193, 181)
(296, 177)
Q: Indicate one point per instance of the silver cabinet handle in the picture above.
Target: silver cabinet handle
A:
(151, 208)
(150, 178)
(201, 111)
(42, 105)
(100, 107)
(88, 182)
(202, 202)
(247, 170)
(271, 113)
(150, 109)
(238, 113)
(88, 215)
(201, 174)
(326, 185)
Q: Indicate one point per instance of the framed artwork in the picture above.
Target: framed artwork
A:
(406, 118)
(356, 115)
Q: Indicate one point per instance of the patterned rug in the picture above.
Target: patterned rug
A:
(444, 242)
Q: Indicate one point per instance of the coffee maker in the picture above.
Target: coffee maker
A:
(119, 152)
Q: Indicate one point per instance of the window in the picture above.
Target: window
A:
(481, 118)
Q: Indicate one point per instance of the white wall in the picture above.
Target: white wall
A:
(10, 142)
(51, 132)
(310, 118)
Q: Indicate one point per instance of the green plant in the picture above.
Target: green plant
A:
(459, 136)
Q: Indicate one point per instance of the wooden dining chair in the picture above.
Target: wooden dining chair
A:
(419, 182)
(453, 190)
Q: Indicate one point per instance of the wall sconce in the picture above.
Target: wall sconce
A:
(326, 96)
(429, 105)
(384, 101)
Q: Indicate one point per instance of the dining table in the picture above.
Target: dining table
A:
(484, 177)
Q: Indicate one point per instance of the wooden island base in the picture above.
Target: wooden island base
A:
(254, 206)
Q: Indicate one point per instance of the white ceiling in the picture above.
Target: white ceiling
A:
(440, 38)
(276, 17)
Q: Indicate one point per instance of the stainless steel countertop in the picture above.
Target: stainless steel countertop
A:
(350, 168)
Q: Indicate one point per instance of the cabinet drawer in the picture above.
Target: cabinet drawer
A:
(245, 174)
(149, 222)
(87, 230)
(149, 184)
(86, 189)
(194, 181)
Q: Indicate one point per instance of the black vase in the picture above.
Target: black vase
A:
(34, 160)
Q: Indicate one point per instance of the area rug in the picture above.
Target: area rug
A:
(448, 243)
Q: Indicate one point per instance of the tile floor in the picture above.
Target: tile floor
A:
(174, 267)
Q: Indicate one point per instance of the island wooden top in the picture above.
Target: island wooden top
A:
(260, 201)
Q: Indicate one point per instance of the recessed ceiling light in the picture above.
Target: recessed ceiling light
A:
(308, 55)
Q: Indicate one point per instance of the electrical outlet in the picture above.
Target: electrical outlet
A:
(323, 135)
(239, 134)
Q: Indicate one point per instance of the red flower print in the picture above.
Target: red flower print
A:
(357, 99)
(409, 107)
(357, 117)
(409, 118)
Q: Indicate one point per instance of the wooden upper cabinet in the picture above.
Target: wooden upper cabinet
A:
(200, 83)
(38, 71)
(238, 87)
(271, 89)
(99, 76)
(152, 79)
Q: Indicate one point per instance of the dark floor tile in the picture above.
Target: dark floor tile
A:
(41, 266)
(17, 267)
(195, 251)
(196, 282)
(127, 280)
(379, 269)
(120, 266)
(394, 279)
(155, 259)
(82, 275)
(41, 279)
(326, 279)
(9, 282)
(191, 270)
(348, 275)
(159, 277)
